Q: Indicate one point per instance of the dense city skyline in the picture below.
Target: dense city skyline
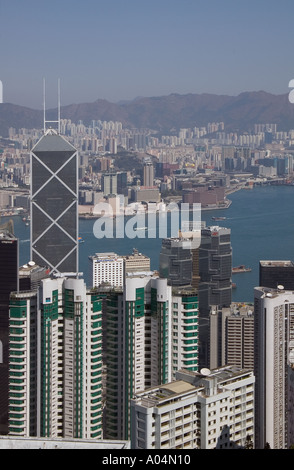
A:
(120, 50)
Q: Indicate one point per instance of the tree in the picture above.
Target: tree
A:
(248, 443)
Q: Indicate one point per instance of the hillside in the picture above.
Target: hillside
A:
(165, 113)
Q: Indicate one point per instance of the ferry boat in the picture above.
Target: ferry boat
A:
(241, 269)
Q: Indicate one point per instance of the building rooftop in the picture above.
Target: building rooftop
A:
(189, 381)
(6, 235)
(278, 263)
(12, 442)
(52, 141)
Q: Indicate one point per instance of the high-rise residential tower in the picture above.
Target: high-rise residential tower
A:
(232, 336)
(274, 367)
(151, 332)
(8, 283)
(56, 374)
(54, 204)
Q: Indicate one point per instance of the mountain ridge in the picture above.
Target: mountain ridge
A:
(163, 113)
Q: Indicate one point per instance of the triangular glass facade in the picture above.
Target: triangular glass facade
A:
(54, 204)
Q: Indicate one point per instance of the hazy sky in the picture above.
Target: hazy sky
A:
(121, 49)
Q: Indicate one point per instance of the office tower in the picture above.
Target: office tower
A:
(175, 261)
(274, 367)
(106, 268)
(275, 273)
(8, 283)
(215, 286)
(148, 173)
(54, 204)
(59, 366)
(30, 276)
(232, 336)
(136, 262)
(109, 184)
(111, 268)
(197, 411)
(122, 183)
(195, 268)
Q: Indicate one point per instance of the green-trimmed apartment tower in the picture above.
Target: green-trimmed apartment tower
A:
(138, 346)
(56, 342)
(185, 334)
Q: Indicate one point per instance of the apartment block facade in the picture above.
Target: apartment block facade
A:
(150, 333)
(55, 361)
(274, 367)
(210, 409)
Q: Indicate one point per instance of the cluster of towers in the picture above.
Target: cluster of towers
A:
(124, 358)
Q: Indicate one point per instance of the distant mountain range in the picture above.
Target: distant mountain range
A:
(165, 114)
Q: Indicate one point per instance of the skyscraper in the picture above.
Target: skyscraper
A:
(138, 346)
(109, 183)
(106, 268)
(215, 286)
(8, 283)
(274, 273)
(176, 261)
(274, 367)
(148, 173)
(151, 332)
(56, 376)
(232, 336)
(54, 204)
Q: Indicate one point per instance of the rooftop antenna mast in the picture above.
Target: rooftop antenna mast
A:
(44, 104)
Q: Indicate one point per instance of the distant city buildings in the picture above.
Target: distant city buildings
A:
(162, 358)
(202, 163)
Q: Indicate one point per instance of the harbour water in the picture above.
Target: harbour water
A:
(261, 222)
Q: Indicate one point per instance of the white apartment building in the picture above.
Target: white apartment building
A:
(206, 410)
(274, 362)
(106, 268)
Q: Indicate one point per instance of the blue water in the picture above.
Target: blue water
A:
(261, 222)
